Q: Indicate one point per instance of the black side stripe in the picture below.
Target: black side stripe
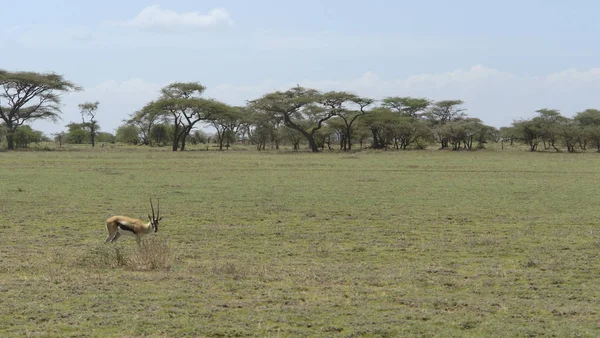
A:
(125, 227)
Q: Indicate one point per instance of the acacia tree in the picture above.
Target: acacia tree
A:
(59, 137)
(182, 102)
(337, 103)
(177, 99)
(264, 131)
(89, 109)
(549, 121)
(486, 134)
(463, 132)
(76, 133)
(588, 117)
(299, 109)
(381, 122)
(529, 132)
(248, 123)
(570, 132)
(589, 120)
(26, 135)
(145, 119)
(227, 122)
(407, 106)
(30, 96)
(443, 112)
(408, 130)
(127, 133)
(508, 133)
(105, 137)
(261, 127)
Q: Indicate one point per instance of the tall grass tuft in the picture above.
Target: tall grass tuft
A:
(153, 253)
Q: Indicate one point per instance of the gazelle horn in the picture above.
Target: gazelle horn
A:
(151, 206)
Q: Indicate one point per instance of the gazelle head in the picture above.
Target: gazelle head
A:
(155, 218)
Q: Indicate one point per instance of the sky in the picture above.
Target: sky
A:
(504, 59)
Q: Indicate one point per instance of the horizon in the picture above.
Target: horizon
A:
(505, 61)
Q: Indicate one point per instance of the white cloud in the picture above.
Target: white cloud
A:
(477, 74)
(574, 75)
(155, 17)
(494, 96)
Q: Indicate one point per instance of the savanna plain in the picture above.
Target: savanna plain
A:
(283, 244)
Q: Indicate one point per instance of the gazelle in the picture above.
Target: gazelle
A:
(118, 225)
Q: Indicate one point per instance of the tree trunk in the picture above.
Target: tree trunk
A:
(221, 137)
(313, 145)
(185, 132)
(546, 146)
(175, 140)
(10, 140)
(444, 143)
(182, 138)
(377, 141)
(348, 144)
(349, 139)
(93, 134)
(532, 146)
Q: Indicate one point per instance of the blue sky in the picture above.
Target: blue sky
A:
(504, 59)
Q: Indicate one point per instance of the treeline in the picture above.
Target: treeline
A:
(341, 120)
(301, 117)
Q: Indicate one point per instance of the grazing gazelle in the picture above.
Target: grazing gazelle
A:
(117, 225)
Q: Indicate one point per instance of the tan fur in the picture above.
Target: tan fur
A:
(140, 228)
(117, 225)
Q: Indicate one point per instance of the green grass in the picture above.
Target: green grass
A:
(418, 243)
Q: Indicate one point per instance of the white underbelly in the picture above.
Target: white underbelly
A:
(125, 232)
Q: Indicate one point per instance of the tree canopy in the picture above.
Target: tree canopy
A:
(29, 96)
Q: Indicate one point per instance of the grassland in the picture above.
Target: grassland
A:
(425, 243)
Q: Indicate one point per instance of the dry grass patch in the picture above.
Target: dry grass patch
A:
(152, 254)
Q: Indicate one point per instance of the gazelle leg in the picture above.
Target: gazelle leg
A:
(112, 232)
(117, 235)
